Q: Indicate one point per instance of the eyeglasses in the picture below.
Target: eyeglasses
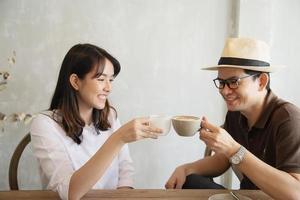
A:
(232, 83)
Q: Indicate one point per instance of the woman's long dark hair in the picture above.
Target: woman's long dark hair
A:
(80, 60)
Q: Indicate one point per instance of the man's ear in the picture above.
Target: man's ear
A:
(74, 81)
(263, 81)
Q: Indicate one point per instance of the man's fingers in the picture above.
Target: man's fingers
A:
(206, 134)
(179, 184)
(171, 184)
(206, 125)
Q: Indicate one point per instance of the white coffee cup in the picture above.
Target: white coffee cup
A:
(161, 121)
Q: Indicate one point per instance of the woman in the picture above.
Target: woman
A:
(79, 142)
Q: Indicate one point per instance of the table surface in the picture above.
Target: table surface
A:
(123, 194)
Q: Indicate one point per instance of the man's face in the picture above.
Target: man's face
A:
(245, 96)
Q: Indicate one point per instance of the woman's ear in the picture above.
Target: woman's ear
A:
(74, 81)
(263, 81)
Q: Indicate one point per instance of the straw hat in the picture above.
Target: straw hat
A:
(245, 53)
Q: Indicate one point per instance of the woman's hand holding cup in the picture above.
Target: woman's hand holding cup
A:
(138, 129)
(162, 122)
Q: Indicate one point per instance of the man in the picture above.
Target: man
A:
(261, 134)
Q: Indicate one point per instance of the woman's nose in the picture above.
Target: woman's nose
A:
(107, 86)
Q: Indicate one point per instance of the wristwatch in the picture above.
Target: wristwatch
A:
(238, 156)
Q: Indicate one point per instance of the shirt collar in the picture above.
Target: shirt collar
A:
(269, 105)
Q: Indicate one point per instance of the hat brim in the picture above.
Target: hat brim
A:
(260, 69)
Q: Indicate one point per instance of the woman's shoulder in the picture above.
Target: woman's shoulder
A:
(43, 116)
(47, 116)
(45, 120)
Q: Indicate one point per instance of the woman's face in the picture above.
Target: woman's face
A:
(93, 91)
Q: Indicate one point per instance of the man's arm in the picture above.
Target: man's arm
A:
(209, 166)
(276, 183)
(212, 166)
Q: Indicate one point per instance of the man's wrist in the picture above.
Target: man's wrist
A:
(233, 150)
(188, 169)
(238, 157)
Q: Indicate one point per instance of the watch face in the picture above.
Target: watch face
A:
(238, 156)
(235, 160)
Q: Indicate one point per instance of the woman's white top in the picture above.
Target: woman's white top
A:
(59, 156)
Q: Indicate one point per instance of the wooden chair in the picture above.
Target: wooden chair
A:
(14, 162)
(207, 152)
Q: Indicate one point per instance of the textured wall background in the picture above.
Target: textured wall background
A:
(161, 44)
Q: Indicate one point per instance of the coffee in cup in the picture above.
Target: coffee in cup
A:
(186, 125)
(162, 122)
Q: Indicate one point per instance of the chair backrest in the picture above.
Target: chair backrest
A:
(207, 152)
(14, 162)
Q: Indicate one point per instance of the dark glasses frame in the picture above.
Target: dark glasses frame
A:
(232, 83)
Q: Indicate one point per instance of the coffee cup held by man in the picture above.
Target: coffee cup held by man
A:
(261, 134)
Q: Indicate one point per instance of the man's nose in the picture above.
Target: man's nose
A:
(226, 89)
